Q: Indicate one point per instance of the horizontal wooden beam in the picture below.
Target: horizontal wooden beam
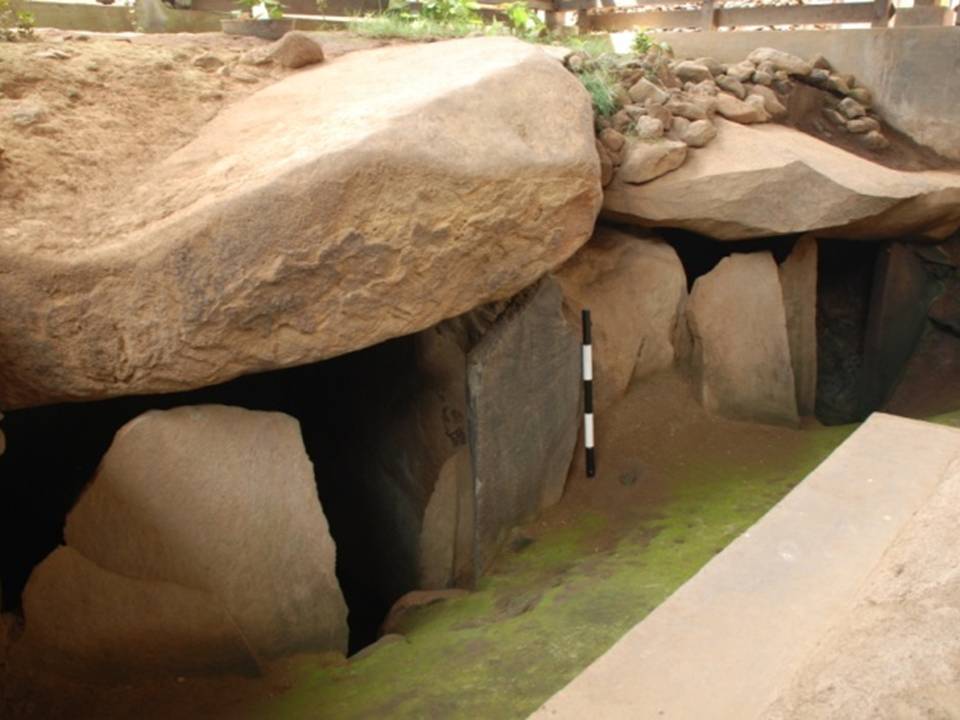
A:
(833, 14)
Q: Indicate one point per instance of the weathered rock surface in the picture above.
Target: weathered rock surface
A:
(295, 50)
(944, 311)
(816, 188)
(411, 602)
(86, 622)
(200, 538)
(636, 289)
(899, 300)
(741, 111)
(342, 206)
(798, 280)
(780, 60)
(524, 394)
(740, 347)
(647, 160)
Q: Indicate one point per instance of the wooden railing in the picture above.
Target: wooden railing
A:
(710, 16)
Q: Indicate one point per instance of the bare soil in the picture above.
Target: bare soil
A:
(804, 112)
(82, 114)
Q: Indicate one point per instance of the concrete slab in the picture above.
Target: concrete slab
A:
(729, 642)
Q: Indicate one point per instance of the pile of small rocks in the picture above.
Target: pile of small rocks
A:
(666, 106)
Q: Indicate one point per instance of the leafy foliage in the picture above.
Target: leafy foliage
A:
(273, 8)
(523, 21)
(601, 84)
(444, 12)
(641, 43)
(15, 24)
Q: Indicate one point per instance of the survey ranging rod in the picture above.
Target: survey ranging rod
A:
(588, 396)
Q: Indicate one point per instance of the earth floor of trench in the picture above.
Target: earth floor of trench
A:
(674, 487)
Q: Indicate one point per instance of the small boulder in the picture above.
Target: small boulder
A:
(763, 78)
(612, 140)
(698, 133)
(741, 111)
(863, 125)
(715, 66)
(208, 61)
(851, 108)
(648, 160)
(295, 50)
(834, 116)
(781, 60)
(707, 87)
(621, 121)
(837, 84)
(861, 95)
(740, 347)
(29, 113)
(644, 91)
(662, 114)
(732, 86)
(691, 71)
(875, 141)
(771, 102)
(820, 62)
(686, 109)
(742, 71)
(648, 128)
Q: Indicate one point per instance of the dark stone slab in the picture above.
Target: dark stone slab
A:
(523, 381)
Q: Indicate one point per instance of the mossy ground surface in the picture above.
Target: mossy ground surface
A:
(572, 584)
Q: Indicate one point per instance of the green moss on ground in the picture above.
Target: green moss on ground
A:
(547, 610)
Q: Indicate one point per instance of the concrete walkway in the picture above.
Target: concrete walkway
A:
(730, 641)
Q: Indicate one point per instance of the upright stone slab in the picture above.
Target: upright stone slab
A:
(635, 288)
(798, 281)
(899, 302)
(740, 346)
(524, 389)
(212, 509)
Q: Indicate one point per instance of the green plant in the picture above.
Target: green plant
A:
(273, 9)
(601, 84)
(523, 21)
(15, 24)
(641, 43)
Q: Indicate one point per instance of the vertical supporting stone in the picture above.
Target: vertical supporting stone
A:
(740, 349)
(798, 281)
(899, 300)
(523, 382)
(708, 15)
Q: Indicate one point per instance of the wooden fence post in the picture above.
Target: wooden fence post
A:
(708, 15)
(882, 12)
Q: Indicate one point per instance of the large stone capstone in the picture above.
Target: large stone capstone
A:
(768, 180)
(342, 206)
(200, 543)
(741, 351)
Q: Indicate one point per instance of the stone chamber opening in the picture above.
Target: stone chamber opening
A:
(397, 434)
(873, 301)
(345, 407)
